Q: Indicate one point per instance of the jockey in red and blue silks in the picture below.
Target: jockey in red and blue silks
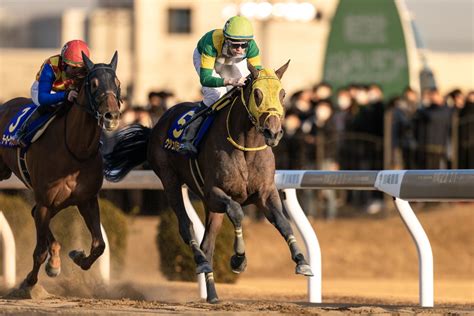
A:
(56, 82)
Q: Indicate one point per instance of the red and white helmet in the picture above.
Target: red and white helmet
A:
(71, 53)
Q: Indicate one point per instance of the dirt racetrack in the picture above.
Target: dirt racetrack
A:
(370, 266)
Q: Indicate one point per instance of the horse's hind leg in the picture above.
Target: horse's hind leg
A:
(175, 199)
(42, 216)
(273, 211)
(218, 200)
(90, 212)
(53, 266)
(213, 224)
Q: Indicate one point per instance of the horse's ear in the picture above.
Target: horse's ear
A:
(282, 69)
(252, 69)
(89, 64)
(114, 61)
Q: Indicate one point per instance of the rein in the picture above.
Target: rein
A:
(229, 137)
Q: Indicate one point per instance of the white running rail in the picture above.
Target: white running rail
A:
(8, 246)
(104, 259)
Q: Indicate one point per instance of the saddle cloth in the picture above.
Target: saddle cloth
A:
(175, 133)
(35, 129)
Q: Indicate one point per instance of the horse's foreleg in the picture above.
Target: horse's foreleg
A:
(273, 211)
(42, 216)
(53, 266)
(218, 200)
(213, 224)
(186, 230)
(90, 212)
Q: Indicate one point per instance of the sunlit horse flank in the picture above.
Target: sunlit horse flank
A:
(237, 168)
(65, 164)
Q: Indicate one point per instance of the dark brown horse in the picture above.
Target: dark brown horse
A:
(65, 165)
(236, 167)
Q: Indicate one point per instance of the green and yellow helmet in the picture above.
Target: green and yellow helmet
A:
(238, 28)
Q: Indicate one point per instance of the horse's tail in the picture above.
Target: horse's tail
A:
(130, 150)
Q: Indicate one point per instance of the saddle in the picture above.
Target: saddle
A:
(35, 128)
(175, 134)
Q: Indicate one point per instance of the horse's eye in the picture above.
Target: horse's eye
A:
(282, 95)
(258, 95)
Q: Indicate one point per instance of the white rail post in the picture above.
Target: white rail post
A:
(9, 257)
(311, 242)
(425, 254)
(104, 260)
(199, 232)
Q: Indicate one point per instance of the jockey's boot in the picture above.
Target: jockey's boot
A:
(187, 147)
(22, 131)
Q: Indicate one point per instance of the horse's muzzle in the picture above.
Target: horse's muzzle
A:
(110, 120)
(272, 138)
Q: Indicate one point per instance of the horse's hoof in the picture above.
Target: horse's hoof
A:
(36, 292)
(204, 267)
(52, 272)
(304, 269)
(213, 300)
(238, 263)
(77, 256)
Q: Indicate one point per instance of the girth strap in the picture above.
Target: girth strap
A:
(22, 166)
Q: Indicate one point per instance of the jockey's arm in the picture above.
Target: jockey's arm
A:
(205, 74)
(45, 86)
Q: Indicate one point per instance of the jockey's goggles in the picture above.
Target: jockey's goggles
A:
(236, 45)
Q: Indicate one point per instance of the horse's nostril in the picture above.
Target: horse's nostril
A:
(267, 133)
(108, 116)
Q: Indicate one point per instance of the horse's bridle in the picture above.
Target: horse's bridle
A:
(93, 99)
(271, 112)
(255, 121)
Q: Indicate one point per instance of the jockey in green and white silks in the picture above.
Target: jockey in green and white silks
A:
(220, 59)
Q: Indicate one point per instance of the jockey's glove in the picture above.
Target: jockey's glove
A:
(71, 95)
(236, 82)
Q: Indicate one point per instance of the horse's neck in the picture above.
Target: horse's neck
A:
(82, 133)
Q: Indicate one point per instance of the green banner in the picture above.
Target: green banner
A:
(367, 45)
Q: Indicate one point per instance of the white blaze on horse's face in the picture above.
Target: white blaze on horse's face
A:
(111, 119)
(265, 105)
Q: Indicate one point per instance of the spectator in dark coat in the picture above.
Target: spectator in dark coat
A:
(433, 132)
